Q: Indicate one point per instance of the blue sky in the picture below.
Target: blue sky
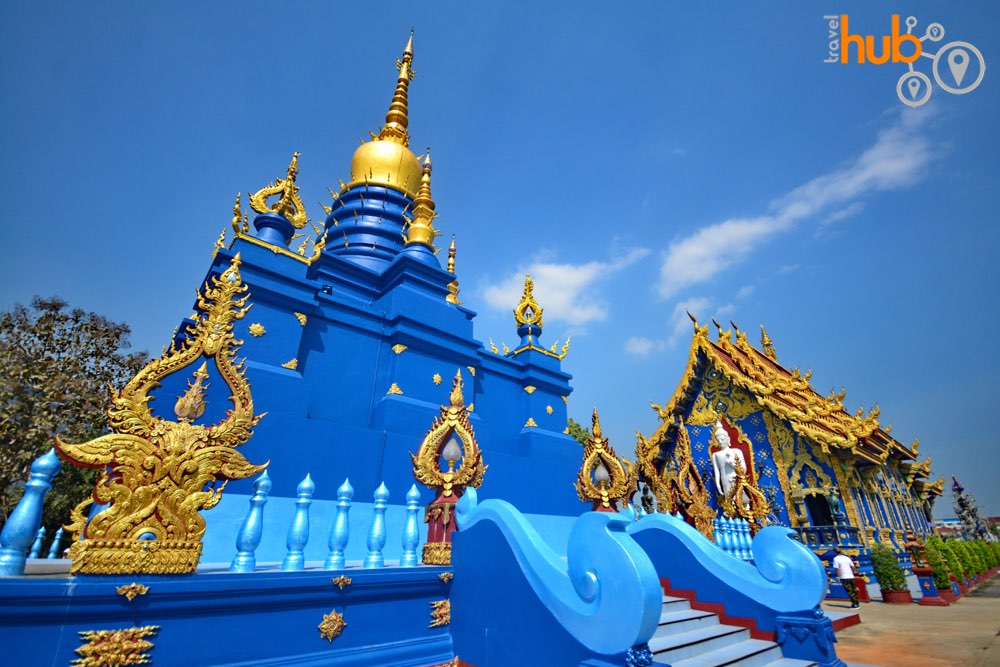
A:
(638, 159)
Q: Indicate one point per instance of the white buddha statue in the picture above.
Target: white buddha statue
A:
(724, 464)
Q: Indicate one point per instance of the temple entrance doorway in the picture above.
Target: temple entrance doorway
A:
(819, 511)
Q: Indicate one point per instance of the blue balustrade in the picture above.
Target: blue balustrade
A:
(298, 532)
(56, 543)
(248, 538)
(376, 536)
(411, 529)
(340, 531)
(36, 546)
(23, 522)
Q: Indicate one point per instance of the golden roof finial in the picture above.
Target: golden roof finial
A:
(453, 285)
(290, 205)
(421, 228)
(457, 399)
(396, 120)
(528, 311)
(237, 214)
(596, 421)
(451, 256)
(767, 344)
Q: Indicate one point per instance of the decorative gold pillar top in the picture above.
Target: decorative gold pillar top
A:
(290, 205)
(453, 285)
(767, 344)
(156, 476)
(603, 478)
(528, 311)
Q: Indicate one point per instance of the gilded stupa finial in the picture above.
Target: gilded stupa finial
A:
(396, 120)
(421, 229)
(453, 285)
(767, 344)
(289, 205)
(528, 312)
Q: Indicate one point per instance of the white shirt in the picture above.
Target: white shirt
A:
(844, 567)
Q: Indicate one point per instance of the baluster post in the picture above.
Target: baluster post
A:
(23, 522)
(340, 532)
(36, 546)
(56, 543)
(376, 536)
(252, 529)
(411, 529)
(298, 532)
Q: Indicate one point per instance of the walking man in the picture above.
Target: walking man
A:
(845, 572)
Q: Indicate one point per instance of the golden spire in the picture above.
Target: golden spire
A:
(596, 421)
(396, 120)
(453, 285)
(767, 344)
(528, 311)
(386, 160)
(421, 228)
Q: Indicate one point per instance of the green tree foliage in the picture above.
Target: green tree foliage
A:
(953, 559)
(887, 570)
(55, 367)
(936, 559)
(577, 432)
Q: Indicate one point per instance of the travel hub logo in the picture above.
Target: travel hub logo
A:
(957, 67)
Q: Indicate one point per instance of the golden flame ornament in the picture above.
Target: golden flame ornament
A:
(603, 479)
(157, 475)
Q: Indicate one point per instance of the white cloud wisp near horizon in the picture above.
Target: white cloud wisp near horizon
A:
(897, 159)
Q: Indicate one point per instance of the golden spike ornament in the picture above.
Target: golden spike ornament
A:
(396, 120)
(421, 228)
(289, 205)
(453, 285)
(157, 475)
(767, 344)
(451, 438)
(603, 479)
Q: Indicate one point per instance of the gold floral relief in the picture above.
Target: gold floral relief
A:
(104, 648)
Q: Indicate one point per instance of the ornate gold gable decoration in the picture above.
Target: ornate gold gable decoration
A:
(157, 475)
(687, 489)
(603, 479)
(528, 311)
(290, 204)
(440, 441)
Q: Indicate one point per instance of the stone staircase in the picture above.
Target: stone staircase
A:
(691, 638)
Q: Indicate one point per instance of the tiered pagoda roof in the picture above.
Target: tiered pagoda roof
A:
(787, 393)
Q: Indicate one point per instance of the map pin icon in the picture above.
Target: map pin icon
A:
(914, 86)
(958, 62)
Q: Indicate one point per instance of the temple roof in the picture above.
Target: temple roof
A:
(788, 394)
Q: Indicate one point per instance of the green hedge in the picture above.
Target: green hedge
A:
(936, 559)
(952, 555)
(887, 570)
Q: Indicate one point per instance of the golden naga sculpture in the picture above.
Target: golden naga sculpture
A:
(157, 475)
(687, 489)
(744, 499)
(289, 205)
(603, 479)
(528, 311)
(647, 453)
(450, 438)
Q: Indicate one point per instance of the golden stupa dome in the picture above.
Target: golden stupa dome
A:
(386, 160)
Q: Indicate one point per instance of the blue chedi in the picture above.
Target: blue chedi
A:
(350, 333)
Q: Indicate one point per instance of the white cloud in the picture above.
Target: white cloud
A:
(640, 346)
(843, 213)
(564, 290)
(745, 291)
(897, 159)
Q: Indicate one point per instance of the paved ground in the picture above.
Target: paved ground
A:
(966, 633)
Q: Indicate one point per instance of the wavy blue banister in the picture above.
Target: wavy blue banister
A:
(780, 592)
(605, 594)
